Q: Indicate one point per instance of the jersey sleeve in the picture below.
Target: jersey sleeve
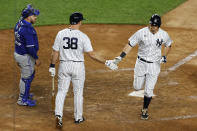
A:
(134, 39)
(87, 44)
(56, 45)
(167, 41)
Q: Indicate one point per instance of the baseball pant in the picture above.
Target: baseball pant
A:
(26, 64)
(75, 72)
(145, 75)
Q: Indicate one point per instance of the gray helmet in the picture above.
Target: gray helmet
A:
(155, 20)
(75, 18)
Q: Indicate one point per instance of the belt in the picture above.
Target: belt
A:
(144, 60)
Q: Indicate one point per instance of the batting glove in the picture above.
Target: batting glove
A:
(117, 60)
(163, 60)
(52, 71)
(111, 65)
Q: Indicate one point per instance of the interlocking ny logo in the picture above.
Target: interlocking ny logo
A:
(159, 42)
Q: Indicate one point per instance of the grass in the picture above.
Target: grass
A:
(95, 11)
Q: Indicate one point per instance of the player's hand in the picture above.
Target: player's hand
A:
(117, 60)
(52, 71)
(38, 63)
(163, 60)
(111, 65)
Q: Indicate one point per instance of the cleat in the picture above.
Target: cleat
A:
(59, 123)
(79, 120)
(27, 102)
(144, 115)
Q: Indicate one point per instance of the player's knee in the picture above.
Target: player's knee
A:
(29, 77)
(28, 80)
(148, 93)
(136, 87)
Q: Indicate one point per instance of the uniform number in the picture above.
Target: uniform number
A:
(71, 43)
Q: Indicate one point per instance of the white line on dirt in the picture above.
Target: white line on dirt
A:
(104, 71)
(177, 117)
(183, 61)
(163, 119)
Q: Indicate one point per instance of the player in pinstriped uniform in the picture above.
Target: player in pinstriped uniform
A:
(147, 68)
(71, 44)
(26, 48)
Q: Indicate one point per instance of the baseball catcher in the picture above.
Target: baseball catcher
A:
(26, 48)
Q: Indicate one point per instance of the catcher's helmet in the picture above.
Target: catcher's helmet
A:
(28, 11)
(75, 18)
(155, 20)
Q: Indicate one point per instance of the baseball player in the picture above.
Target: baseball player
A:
(70, 44)
(147, 68)
(26, 48)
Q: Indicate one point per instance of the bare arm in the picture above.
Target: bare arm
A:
(127, 49)
(166, 51)
(95, 57)
(54, 56)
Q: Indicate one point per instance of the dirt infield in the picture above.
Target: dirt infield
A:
(107, 106)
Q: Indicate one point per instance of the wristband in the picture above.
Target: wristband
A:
(52, 65)
(123, 54)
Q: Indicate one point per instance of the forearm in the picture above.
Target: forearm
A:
(166, 51)
(95, 57)
(54, 56)
(127, 49)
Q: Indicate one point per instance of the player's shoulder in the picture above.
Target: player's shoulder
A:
(25, 27)
(82, 34)
(162, 31)
(142, 30)
(63, 30)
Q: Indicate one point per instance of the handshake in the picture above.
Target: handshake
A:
(112, 64)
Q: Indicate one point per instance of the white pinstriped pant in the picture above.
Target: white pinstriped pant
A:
(145, 75)
(75, 72)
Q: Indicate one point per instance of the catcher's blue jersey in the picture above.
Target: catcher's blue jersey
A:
(26, 41)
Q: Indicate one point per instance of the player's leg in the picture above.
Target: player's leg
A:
(63, 86)
(78, 85)
(139, 75)
(148, 93)
(26, 64)
(138, 82)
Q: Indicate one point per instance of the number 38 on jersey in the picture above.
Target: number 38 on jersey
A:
(70, 43)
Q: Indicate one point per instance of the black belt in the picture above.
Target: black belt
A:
(144, 60)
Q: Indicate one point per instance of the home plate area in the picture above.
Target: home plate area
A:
(139, 93)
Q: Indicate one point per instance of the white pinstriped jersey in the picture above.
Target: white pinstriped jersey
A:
(72, 44)
(150, 44)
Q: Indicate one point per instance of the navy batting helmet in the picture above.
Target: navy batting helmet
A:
(155, 20)
(28, 11)
(75, 18)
